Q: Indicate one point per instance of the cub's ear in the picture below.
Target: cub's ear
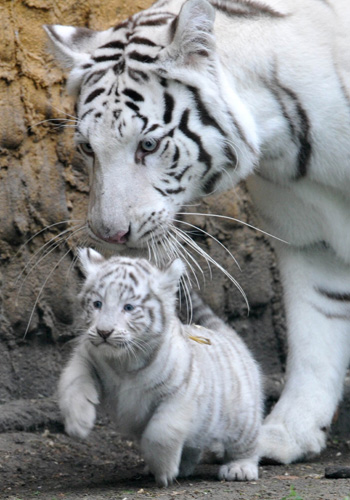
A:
(89, 260)
(173, 274)
(192, 33)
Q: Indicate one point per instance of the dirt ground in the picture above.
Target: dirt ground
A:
(48, 465)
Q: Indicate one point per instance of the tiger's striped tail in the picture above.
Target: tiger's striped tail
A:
(203, 315)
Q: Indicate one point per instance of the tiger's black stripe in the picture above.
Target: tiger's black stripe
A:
(274, 90)
(132, 106)
(122, 25)
(119, 68)
(204, 114)
(169, 107)
(305, 149)
(112, 57)
(241, 133)
(179, 176)
(154, 22)
(247, 8)
(343, 87)
(203, 156)
(175, 191)
(142, 41)
(166, 146)
(115, 44)
(136, 75)
(98, 74)
(342, 297)
(152, 128)
(210, 183)
(133, 278)
(144, 58)
(160, 191)
(176, 154)
(208, 120)
(95, 93)
(135, 96)
(86, 113)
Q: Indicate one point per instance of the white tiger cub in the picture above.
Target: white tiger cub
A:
(191, 96)
(175, 396)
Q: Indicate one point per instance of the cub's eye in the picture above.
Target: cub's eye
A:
(149, 145)
(97, 304)
(86, 148)
(128, 307)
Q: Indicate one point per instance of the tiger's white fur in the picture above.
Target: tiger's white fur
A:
(176, 397)
(231, 90)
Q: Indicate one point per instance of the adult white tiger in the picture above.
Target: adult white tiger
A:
(172, 105)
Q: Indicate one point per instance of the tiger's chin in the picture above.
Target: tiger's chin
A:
(110, 349)
(125, 249)
(155, 252)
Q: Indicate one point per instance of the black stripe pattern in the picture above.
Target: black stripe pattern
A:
(246, 9)
(298, 121)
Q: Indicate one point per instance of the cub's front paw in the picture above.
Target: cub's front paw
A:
(79, 413)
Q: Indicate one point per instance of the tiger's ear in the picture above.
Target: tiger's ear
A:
(172, 275)
(89, 260)
(72, 47)
(192, 32)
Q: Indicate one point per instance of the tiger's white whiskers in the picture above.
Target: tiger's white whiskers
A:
(54, 242)
(236, 220)
(41, 290)
(207, 257)
(49, 276)
(212, 237)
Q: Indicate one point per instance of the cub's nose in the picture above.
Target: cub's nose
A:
(104, 333)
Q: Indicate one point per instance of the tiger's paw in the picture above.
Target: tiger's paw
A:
(79, 412)
(239, 470)
(286, 444)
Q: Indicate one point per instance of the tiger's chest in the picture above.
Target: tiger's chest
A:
(127, 397)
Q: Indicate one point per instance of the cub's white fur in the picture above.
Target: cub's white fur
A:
(188, 97)
(176, 397)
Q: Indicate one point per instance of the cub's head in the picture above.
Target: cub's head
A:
(128, 304)
(155, 123)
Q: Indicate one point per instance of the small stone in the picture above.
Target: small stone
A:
(334, 472)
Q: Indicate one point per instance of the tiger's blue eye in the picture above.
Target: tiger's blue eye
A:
(149, 145)
(97, 304)
(128, 307)
(86, 148)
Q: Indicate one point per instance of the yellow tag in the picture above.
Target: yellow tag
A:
(200, 340)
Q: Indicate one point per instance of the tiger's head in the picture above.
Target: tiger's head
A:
(128, 305)
(158, 123)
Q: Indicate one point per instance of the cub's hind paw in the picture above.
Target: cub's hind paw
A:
(240, 470)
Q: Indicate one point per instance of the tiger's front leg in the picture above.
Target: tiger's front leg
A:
(317, 297)
(78, 396)
(163, 441)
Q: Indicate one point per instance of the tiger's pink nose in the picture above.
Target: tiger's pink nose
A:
(120, 237)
